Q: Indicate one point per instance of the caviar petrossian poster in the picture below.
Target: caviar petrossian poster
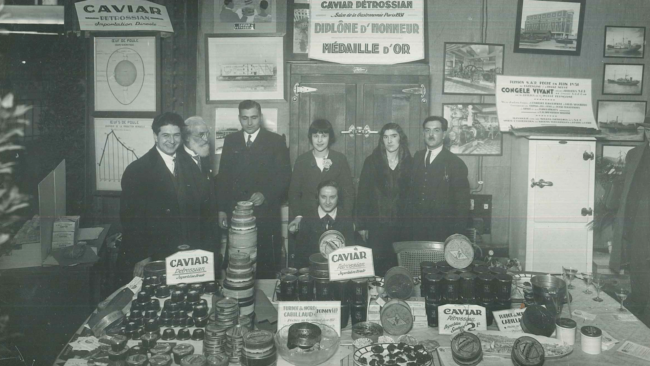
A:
(367, 32)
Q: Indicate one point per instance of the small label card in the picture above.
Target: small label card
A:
(351, 262)
(508, 320)
(454, 318)
(635, 350)
(190, 266)
(324, 312)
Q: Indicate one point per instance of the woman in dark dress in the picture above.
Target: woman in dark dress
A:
(383, 188)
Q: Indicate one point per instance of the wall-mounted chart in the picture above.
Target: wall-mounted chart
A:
(118, 143)
(125, 74)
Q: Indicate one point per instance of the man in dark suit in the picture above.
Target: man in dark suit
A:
(439, 194)
(160, 207)
(255, 167)
(631, 240)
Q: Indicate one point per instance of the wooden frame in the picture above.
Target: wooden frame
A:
(614, 44)
(619, 124)
(298, 30)
(461, 76)
(235, 72)
(237, 22)
(482, 138)
(533, 36)
(623, 79)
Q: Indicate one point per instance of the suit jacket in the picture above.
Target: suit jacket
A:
(157, 214)
(264, 167)
(303, 198)
(438, 197)
(311, 229)
(619, 241)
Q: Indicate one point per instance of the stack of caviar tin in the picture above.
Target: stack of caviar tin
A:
(234, 345)
(226, 316)
(259, 349)
(319, 271)
(239, 283)
(243, 231)
(215, 337)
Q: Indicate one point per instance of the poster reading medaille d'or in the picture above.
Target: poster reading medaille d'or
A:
(367, 32)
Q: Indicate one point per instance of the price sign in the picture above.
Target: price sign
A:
(454, 318)
(324, 312)
(509, 320)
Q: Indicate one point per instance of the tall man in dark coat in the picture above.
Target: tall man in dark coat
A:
(160, 207)
(255, 167)
(439, 190)
(631, 241)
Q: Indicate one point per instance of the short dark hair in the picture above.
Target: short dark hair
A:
(328, 183)
(250, 104)
(443, 122)
(167, 118)
(322, 126)
(264, 4)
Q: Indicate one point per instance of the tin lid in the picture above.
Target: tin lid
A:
(466, 348)
(318, 261)
(396, 317)
(183, 349)
(239, 258)
(398, 283)
(459, 252)
(436, 277)
(219, 359)
(225, 304)
(248, 204)
(258, 340)
(452, 277)
(288, 278)
(136, 360)
(481, 269)
(538, 320)
(497, 270)
(304, 335)
(193, 360)
(288, 270)
(527, 351)
(467, 276)
(486, 277)
(566, 323)
(330, 241)
(161, 347)
(503, 277)
(591, 331)
(160, 360)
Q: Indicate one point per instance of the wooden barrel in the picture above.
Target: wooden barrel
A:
(398, 283)
(396, 317)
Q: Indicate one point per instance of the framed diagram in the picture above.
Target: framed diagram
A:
(299, 30)
(550, 27)
(623, 79)
(117, 143)
(244, 17)
(234, 72)
(227, 122)
(473, 129)
(472, 68)
(624, 42)
(125, 74)
(618, 119)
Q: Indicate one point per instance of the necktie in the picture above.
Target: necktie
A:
(175, 168)
(198, 161)
(328, 221)
(249, 142)
(426, 161)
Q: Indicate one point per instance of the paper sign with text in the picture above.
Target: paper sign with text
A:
(509, 320)
(324, 312)
(351, 262)
(190, 266)
(122, 15)
(454, 318)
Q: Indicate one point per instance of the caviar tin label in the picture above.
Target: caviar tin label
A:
(458, 251)
(190, 266)
(325, 312)
(509, 320)
(351, 262)
(454, 318)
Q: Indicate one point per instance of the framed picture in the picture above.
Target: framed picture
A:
(244, 68)
(125, 71)
(623, 79)
(299, 30)
(550, 27)
(472, 68)
(627, 42)
(473, 129)
(250, 16)
(618, 119)
(227, 122)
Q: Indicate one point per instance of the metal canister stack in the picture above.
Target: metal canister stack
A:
(234, 345)
(259, 349)
(242, 236)
(239, 283)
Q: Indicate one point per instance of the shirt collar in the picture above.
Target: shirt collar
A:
(189, 151)
(434, 153)
(167, 158)
(322, 213)
(252, 135)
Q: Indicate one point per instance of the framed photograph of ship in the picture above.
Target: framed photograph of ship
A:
(244, 68)
(250, 16)
(472, 68)
(625, 42)
(473, 129)
(550, 27)
(618, 119)
(623, 79)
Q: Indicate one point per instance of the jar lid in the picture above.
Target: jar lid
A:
(136, 360)
(160, 360)
(527, 351)
(485, 277)
(459, 252)
(467, 276)
(182, 349)
(219, 359)
(466, 348)
(193, 360)
(591, 331)
(396, 317)
(452, 277)
(436, 277)
(258, 340)
(566, 323)
(161, 348)
(288, 278)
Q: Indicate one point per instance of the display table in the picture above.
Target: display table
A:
(606, 319)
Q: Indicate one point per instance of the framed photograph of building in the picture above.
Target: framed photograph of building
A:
(618, 119)
(299, 30)
(244, 68)
(472, 68)
(250, 16)
(473, 129)
(627, 42)
(623, 79)
(550, 27)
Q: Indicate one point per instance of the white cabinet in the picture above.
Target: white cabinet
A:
(551, 203)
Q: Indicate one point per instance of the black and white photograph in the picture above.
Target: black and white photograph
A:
(550, 27)
(619, 120)
(249, 16)
(472, 68)
(235, 72)
(624, 42)
(623, 79)
(299, 30)
(473, 129)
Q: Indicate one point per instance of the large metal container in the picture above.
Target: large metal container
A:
(550, 291)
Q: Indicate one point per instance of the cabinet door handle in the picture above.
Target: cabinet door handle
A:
(587, 211)
(351, 131)
(541, 183)
(588, 156)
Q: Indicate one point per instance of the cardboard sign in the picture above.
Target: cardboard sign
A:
(324, 312)
(351, 262)
(454, 318)
(122, 15)
(190, 266)
(509, 320)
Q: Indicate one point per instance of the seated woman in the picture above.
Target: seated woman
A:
(326, 216)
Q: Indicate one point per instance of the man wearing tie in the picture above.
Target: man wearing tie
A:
(324, 218)
(255, 167)
(439, 197)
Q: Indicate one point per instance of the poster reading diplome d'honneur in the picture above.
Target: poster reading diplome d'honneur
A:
(367, 32)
